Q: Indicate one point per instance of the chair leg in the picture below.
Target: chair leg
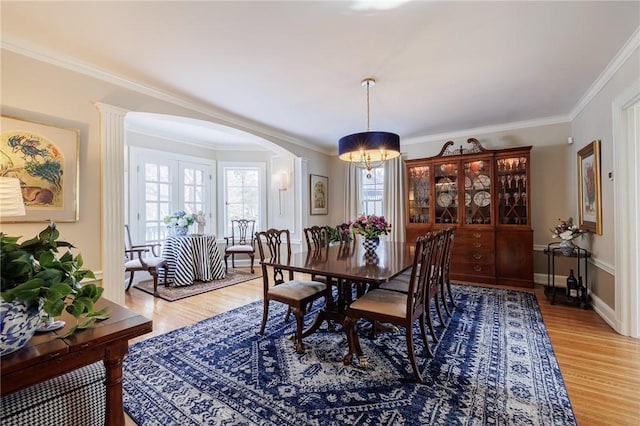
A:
(443, 299)
(226, 266)
(130, 280)
(438, 311)
(166, 276)
(286, 317)
(432, 331)
(423, 332)
(265, 314)
(411, 354)
(299, 314)
(233, 260)
(251, 256)
(154, 274)
(453, 300)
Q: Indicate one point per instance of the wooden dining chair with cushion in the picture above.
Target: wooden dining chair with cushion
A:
(400, 309)
(275, 245)
(143, 258)
(240, 242)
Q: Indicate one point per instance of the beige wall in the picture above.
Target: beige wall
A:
(40, 91)
(594, 121)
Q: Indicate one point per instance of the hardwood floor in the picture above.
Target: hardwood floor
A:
(601, 369)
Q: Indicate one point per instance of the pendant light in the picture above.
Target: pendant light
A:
(369, 150)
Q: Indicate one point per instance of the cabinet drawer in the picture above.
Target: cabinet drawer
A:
(480, 269)
(475, 239)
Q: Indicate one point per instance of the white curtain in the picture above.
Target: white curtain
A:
(350, 192)
(394, 194)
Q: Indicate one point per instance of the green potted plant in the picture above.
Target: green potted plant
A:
(36, 282)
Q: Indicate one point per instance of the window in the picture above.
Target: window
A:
(243, 189)
(372, 192)
(161, 184)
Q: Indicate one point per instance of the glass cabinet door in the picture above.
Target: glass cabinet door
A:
(512, 191)
(419, 194)
(477, 192)
(446, 192)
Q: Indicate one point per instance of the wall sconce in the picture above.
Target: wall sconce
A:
(11, 202)
(283, 187)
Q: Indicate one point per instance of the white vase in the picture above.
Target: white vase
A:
(567, 247)
(18, 323)
(181, 230)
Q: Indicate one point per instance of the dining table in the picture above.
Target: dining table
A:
(192, 257)
(348, 264)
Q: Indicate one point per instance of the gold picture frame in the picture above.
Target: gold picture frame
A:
(589, 188)
(45, 159)
(319, 194)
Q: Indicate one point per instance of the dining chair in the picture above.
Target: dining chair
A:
(275, 245)
(240, 241)
(433, 286)
(317, 238)
(401, 284)
(143, 257)
(400, 309)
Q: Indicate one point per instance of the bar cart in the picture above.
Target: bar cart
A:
(554, 293)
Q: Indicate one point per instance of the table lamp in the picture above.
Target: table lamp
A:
(11, 202)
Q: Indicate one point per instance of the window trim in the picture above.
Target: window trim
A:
(222, 202)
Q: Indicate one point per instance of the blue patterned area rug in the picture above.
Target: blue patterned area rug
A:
(494, 365)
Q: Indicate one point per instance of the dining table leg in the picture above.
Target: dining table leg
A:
(354, 344)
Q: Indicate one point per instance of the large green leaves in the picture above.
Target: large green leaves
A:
(34, 271)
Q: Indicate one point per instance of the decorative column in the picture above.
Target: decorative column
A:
(112, 136)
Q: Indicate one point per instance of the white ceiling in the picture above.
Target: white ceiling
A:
(295, 67)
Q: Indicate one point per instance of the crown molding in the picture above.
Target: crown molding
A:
(610, 70)
(558, 119)
(210, 146)
(226, 119)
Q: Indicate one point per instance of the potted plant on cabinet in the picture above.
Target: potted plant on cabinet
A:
(36, 282)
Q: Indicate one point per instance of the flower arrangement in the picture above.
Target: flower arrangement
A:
(179, 218)
(566, 230)
(370, 226)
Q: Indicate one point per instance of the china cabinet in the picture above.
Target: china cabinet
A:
(485, 195)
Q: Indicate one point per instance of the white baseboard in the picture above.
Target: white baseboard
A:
(605, 312)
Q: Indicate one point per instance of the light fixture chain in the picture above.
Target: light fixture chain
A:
(368, 108)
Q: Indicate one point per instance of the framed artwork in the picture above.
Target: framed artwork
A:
(45, 160)
(589, 188)
(319, 194)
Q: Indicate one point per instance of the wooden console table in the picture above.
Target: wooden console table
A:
(47, 356)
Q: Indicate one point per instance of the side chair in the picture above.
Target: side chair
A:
(275, 245)
(400, 309)
(317, 238)
(240, 242)
(143, 258)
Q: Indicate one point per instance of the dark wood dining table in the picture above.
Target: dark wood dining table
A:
(346, 264)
